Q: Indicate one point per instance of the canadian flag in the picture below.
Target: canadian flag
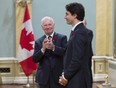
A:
(26, 45)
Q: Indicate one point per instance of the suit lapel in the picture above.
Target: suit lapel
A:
(54, 39)
(43, 38)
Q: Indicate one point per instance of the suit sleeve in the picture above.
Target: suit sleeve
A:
(38, 55)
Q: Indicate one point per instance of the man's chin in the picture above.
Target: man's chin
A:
(68, 23)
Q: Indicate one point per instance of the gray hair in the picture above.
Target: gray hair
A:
(48, 18)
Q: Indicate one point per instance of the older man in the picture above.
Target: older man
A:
(49, 51)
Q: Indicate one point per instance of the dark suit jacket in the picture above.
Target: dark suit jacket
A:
(90, 32)
(76, 59)
(50, 61)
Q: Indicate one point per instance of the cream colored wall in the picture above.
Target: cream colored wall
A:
(103, 38)
(114, 54)
(14, 74)
(103, 27)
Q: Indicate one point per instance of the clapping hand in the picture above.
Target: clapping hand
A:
(44, 44)
(50, 44)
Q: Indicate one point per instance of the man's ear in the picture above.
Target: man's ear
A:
(75, 15)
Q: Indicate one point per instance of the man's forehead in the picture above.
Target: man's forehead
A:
(47, 21)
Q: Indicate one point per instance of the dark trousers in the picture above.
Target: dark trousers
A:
(51, 83)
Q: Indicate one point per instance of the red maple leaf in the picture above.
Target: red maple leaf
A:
(26, 39)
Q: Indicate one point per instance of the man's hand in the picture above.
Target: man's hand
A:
(50, 44)
(63, 81)
(44, 45)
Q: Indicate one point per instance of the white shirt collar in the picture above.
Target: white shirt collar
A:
(50, 35)
(75, 25)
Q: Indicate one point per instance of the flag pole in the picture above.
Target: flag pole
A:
(33, 80)
(28, 84)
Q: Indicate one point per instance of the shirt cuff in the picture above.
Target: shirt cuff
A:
(64, 77)
(42, 50)
(53, 48)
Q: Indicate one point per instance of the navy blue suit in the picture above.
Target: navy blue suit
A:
(50, 64)
(77, 59)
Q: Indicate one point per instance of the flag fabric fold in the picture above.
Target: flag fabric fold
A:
(26, 45)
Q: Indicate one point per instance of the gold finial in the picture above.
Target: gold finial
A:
(23, 2)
